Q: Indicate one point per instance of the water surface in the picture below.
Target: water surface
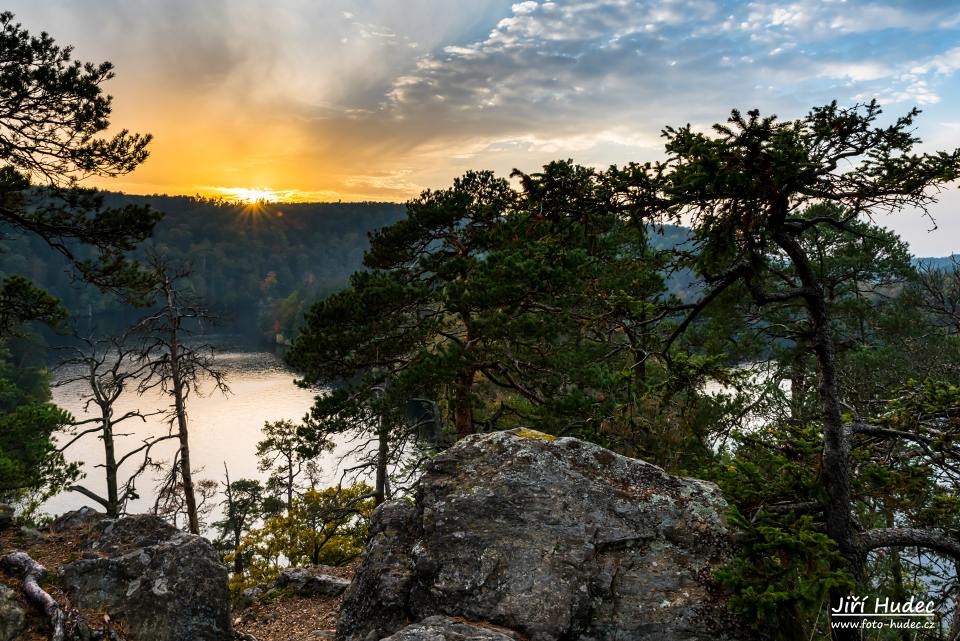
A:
(223, 429)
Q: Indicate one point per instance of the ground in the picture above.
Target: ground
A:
(284, 618)
(51, 551)
(292, 618)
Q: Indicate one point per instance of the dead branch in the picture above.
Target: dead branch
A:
(66, 624)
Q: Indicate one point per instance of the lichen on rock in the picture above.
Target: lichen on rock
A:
(549, 538)
(160, 583)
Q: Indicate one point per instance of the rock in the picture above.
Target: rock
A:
(248, 596)
(550, 538)
(441, 628)
(81, 519)
(32, 535)
(12, 617)
(375, 604)
(312, 581)
(161, 584)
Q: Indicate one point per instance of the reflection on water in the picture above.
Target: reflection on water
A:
(223, 429)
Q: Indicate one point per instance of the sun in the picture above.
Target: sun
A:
(252, 195)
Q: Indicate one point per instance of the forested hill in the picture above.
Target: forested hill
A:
(944, 263)
(258, 263)
(261, 265)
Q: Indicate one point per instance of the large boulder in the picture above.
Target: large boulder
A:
(551, 538)
(160, 583)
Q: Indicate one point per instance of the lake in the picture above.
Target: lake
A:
(223, 429)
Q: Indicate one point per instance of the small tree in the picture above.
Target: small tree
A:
(32, 467)
(242, 507)
(281, 454)
(326, 527)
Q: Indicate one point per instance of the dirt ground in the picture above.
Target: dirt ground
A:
(50, 551)
(292, 618)
(289, 618)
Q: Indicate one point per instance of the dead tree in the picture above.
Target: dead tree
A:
(178, 365)
(109, 368)
(66, 623)
(938, 289)
(171, 503)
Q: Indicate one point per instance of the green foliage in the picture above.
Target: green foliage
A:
(784, 564)
(52, 110)
(327, 527)
(782, 575)
(533, 307)
(31, 468)
(21, 302)
(280, 454)
(242, 508)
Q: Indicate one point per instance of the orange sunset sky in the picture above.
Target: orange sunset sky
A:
(379, 99)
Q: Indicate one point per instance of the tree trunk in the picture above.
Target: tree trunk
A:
(181, 413)
(896, 571)
(836, 449)
(110, 461)
(66, 625)
(836, 440)
(185, 472)
(380, 489)
(798, 389)
(954, 634)
(235, 523)
(289, 456)
(462, 403)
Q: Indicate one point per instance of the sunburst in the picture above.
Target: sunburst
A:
(251, 195)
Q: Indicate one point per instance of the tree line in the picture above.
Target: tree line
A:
(258, 264)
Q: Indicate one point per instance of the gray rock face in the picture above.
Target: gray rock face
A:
(551, 538)
(441, 628)
(85, 517)
(376, 603)
(312, 581)
(12, 617)
(160, 583)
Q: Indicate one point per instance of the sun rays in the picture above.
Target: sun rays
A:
(252, 195)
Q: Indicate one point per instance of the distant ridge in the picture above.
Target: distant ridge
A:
(944, 263)
(259, 264)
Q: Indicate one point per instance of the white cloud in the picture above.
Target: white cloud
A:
(397, 180)
(856, 71)
(945, 63)
(524, 7)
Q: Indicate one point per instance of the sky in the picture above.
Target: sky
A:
(380, 99)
